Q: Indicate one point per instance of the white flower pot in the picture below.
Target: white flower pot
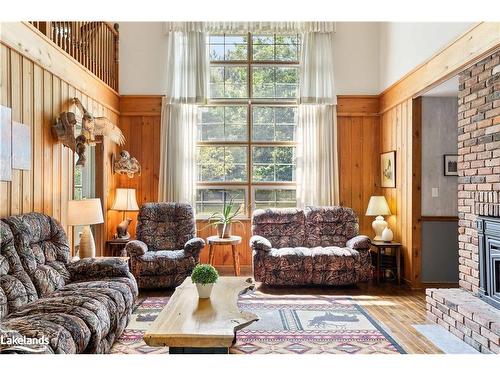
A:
(204, 290)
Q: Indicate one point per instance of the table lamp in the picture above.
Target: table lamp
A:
(377, 206)
(124, 201)
(85, 212)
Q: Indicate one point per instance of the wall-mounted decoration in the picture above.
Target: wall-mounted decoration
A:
(5, 144)
(388, 169)
(64, 131)
(450, 164)
(126, 164)
(21, 146)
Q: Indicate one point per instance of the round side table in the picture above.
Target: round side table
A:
(233, 241)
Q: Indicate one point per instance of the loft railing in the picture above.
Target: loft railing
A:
(92, 44)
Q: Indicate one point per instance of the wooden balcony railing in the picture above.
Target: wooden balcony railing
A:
(92, 44)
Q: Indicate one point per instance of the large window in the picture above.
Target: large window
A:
(246, 133)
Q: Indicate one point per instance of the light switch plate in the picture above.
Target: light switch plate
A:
(435, 192)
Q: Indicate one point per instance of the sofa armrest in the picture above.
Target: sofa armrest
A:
(136, 248)
(98, 268)
(260, 243)
(359, 243)
(194, 246)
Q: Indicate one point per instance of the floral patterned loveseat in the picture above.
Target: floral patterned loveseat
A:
(69, 307)
(166, 249)
(318, 246)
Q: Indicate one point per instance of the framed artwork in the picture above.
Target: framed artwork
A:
(5, 144)
(21, 146)
(450, 164)
(388, 169)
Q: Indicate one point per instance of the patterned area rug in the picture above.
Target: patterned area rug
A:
(312, 324)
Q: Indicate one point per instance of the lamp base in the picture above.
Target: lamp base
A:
(87, 244)
(378, 225)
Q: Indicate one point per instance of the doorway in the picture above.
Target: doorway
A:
(439, 184)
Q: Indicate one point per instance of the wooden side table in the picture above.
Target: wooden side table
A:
(233, 241)
(382, 246)
(116, 247)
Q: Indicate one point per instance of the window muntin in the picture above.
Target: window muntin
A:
(275, 47)
(273, 163)
(268, 197)
(222, 123)
(211, 199)
(275, 82)
(273, 123)
(222, 163)
(228, 47)
(228, 82)
(247, 132)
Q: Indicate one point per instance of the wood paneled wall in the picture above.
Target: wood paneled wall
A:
(400, 132)
(358, 143)
(36, 96)
(140, 123)
(359, 148)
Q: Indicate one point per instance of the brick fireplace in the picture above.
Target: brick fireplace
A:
(461, 311)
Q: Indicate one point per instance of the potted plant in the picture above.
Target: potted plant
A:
(204, 276)
(224, 219)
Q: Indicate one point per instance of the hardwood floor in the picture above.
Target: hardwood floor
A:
(396, 308)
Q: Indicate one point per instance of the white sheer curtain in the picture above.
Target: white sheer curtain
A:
(187, 86)
(317, 159)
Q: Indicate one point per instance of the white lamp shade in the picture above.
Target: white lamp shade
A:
(125, 200)
(378, 206)
(85, 212)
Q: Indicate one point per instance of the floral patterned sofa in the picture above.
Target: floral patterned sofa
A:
(166, 249)
(318, 246)
(71, 307)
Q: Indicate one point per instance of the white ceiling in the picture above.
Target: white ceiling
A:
(447, 88)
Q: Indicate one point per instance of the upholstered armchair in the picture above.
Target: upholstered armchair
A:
(318, 246)
(166, 249)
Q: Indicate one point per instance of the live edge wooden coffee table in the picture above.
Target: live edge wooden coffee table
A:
(190, 325)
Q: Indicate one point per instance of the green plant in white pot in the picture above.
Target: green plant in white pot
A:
(224, 219)
(204, 276)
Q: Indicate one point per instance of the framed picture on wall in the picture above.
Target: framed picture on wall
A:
(450, 164)
(388, 169)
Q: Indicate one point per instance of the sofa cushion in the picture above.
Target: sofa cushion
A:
(16, 288)
(282, 227)
(330, 226)
(162, 262)
(43, 249)
(165, 226)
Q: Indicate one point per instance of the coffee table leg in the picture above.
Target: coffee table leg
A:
(236, 260)
(211, 254)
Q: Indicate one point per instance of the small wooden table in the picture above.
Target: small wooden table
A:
(233, 241)
(190, 325)
(116, 247)
(382, 246)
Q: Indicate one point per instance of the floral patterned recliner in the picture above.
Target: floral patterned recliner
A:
(318, 246)
(78, 307)
(166, 249)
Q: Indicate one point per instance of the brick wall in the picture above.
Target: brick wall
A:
(465, 316)
(478, 160)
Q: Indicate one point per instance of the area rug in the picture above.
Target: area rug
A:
(312, 324)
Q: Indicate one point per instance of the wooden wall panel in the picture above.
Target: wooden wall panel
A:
(36, 97)
(400, 132)
(359, 154)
